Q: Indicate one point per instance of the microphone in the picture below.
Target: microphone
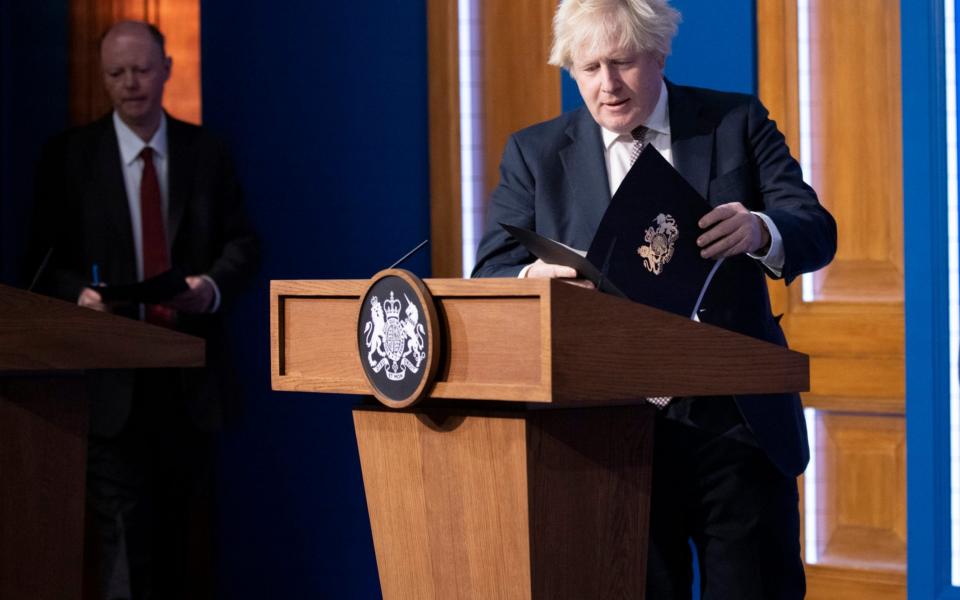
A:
(41, 269)
(409, 254)
(606, 264)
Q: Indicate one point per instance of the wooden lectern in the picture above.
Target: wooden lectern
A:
(45, 345)
(526, 472)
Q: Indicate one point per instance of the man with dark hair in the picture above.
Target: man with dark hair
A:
(130, 196)
(724, 468)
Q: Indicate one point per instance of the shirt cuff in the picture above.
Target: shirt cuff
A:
(523, 272)
(774, 258)
(216, 293)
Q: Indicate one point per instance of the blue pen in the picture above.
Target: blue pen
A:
(96, 275)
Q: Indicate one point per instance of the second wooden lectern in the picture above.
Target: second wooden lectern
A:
(525, 473)
(45, 347)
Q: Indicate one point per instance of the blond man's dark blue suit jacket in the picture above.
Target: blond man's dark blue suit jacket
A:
(553, 179)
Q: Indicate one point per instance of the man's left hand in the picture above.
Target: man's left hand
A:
(731, 229)
(198, 299)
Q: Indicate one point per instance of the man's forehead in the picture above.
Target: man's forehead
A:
(602, 51)
(128, 38)
(126, 46)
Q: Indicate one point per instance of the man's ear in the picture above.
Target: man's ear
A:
(167, 66)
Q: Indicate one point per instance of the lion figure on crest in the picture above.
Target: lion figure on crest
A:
(374, 330)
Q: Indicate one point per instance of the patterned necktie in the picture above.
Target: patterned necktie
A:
(639, 135)
(660, 401)
(156, 256)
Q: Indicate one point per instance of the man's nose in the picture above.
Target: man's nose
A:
(609, 79)
(129, 80)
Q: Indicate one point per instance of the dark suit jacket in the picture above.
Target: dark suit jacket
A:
(553, 179)
(81, 211)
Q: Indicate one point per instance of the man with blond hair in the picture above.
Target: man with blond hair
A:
(127, 197)
(725, 468)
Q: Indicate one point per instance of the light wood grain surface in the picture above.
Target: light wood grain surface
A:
(448, 504)
(546, 505)
(853, 329)
(443, 94)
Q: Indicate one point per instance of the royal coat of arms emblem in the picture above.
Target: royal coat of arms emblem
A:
(660, 240)
(398, 338)
(394, 345)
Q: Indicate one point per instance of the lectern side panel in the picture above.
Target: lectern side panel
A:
(495, 342)
(392, 463)
(608, 349)
(447, 495)
(43, 438)
(318, 349)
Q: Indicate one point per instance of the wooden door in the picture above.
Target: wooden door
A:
(849, 316)
(516, 87)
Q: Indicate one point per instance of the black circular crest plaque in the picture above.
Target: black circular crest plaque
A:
(398, 337)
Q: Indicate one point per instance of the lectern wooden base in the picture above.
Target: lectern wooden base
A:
(43, 428)
(525, 504)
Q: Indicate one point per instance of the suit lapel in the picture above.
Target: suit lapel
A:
(109, 192)
(692, 137)
(179, 176)
(585, 170)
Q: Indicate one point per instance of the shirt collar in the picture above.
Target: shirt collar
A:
(658, 121)
(130, 143)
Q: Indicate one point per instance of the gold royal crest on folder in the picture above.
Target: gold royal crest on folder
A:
(660, 242)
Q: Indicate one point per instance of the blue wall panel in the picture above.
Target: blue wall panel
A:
(716, 45)
(325, 108)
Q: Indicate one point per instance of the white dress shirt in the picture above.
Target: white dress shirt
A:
(130, 148)
(132, 165)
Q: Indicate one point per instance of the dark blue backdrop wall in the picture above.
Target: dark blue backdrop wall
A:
(33, 107)
(325, 108)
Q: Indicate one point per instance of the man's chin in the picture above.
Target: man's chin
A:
(137, 118)
(619, 126)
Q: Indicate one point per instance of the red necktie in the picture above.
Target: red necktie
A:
(156, 256)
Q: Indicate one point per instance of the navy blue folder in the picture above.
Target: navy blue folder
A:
(645, 248)
(647, 241)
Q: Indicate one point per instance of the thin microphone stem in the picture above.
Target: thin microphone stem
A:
(606, 264)
(409, 254)
(43, 266)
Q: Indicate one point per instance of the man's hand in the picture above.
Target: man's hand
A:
(198, 299)
(90, 298)
(731, 229)
(546, 270)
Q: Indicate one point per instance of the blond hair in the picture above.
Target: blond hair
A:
(588, 25)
